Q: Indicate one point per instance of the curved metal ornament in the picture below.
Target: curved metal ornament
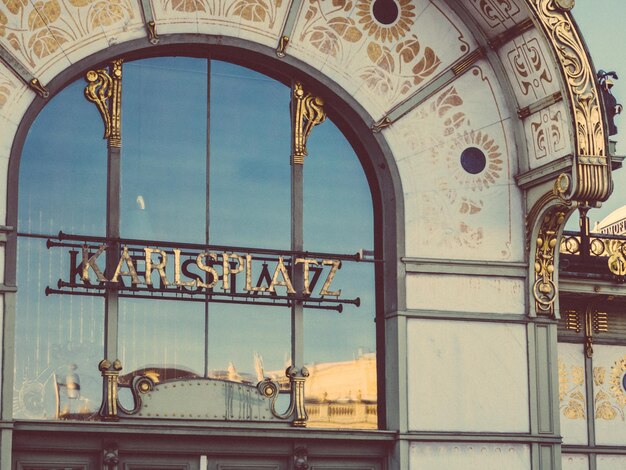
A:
(544, 288)
(297, 409)
(592, 172)
(104, 89)
(307, 111)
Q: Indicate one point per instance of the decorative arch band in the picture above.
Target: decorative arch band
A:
(592, 170)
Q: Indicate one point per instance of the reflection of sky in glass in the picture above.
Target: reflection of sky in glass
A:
(63, 168)
(250, 147)
(164, 148)
(164, 170)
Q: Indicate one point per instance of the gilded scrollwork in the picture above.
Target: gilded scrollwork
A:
(104, 89)
(544, 288)
(592, 172)
(296, 410)
(307, 112)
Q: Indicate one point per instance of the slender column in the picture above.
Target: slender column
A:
(306, 112)
(104, 89)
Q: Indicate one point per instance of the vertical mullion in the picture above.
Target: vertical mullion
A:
(111, 302)
(297, 245)
(207, 203)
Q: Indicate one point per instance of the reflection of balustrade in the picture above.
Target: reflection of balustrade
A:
(610, 247)
(342, 414)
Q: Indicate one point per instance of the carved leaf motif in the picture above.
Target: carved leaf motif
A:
(606, 412)
(106, 13)
(377, 80)
(81, 3)
(325, 40)
(251, 10)
(3, 22)
(426, 66)
(45, 42)
(5, 92)
(343, 4)
(14, 41)
(470, 207)
(408, 49)
(448, 99)
(345, 28)
(188, 5)
(453, 122)
(381, 56)
(14, 6)
(44, 12)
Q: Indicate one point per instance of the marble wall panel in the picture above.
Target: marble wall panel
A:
(446, 456)
(451, 210)
(610, 462)
(574, 462)
(572, 393)
(481, 294)
(548, 135)
(380, 65)
(529, 68)
(467, 376)
(496, 16)
(609, 394)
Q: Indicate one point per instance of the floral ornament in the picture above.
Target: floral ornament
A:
(187, 5)
(617, 381)
(599, 374)
(14, 6)
(604, 409)
(327, 38)
(106, 13)
(257, 11)
(3, 24)
(386, 32)
(574, 408)
(494, 163)
(398, 68)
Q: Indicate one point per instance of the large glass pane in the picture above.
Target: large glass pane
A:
(164, 136)
(63, 168)
(247, 343)
(340, 348)
(250, 151)
(164, 338)
(59, 340)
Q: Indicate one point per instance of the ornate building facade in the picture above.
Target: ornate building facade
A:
(370, 194)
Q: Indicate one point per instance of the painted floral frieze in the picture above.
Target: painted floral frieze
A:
(262, 13)
(454, 196)
(34, 31)
(392, 58)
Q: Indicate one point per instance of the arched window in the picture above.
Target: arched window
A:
(204, 187)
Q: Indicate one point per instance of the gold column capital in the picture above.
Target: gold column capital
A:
(104, 89)
(307, 111)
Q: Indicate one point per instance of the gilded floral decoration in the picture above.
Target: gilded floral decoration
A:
(7, 86)
(37, 30)
(610, 395)
(262, 12)
(571, 390)
(450, 132)
(395, 60)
